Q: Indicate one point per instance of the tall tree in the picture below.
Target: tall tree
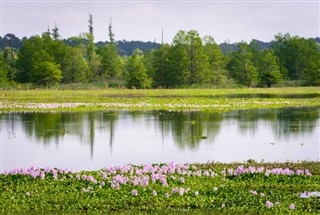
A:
(45, 70)
(269, 69)
(199, 67)
(10, 57)
(24, 63)
(110, 59)
(217, 73)
(160, 66)
(136, 73)
(74, 66)
(299, 57)
(111, 34)
(241, 66)
(4, 70)
(94, 60)
(55, 32)
(179, 68)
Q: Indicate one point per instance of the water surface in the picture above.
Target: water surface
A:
(91, 141)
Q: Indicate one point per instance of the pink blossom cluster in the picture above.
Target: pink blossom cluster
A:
(38, 172)
(151, 174)
(252, 170)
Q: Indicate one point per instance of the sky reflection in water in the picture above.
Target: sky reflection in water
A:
(90, 141)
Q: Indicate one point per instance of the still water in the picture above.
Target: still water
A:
(91, 141)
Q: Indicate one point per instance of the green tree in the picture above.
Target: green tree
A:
(53, 49)
(55, 33)
(94, 61)
(110, 58)
(74, 66)
(188, 60)
(269, 69)
(160, 66)
(217, 73)
(136, 73)
(4, 70)
(312, 71)
(199, 66)
(10, 57)
(178, 70)
(298, 57)
(45, 70)
(241, 66)
(24, 64)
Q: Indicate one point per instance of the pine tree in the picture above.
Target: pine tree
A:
(55, 32)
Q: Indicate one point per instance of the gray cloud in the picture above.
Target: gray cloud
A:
(234, 21)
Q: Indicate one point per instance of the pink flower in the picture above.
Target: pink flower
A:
(206, 173)
(262, 195)
(292, 206)
(134, 192)
(269, 204)
(181, 191)
(166, 195)
(223, 205)
(215, 189)
(154, 193)
(196, 193)
(253, 192)
(182, 180)
(42, 175)
(175, 190)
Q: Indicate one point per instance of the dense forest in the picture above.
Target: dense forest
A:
(189, 61)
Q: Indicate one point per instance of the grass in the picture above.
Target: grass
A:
(164, 189)
(160, 99)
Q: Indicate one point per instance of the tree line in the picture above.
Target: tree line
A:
(188, 61)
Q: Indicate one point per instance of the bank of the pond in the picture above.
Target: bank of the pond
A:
(240, 188)
(172, 100)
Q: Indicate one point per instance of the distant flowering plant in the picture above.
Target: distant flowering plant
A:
(292, 206)
(154, 193)
(134, 192)
(269, 204)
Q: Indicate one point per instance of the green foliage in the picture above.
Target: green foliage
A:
(298, 58)
(203, 188)
(74, 66)
(30, 47)
(269, 69)
(241, 66)
(136, 74)
(4, 70)
(217, 61)
(188, 62)
(160, 66)
(45, 70)
(111, 62)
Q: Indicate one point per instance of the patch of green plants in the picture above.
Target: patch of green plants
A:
(217, 100)
(215, 188)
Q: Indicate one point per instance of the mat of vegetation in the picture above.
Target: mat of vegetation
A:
(249, 187)
(177, 99)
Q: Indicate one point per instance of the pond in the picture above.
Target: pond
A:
(91, 141)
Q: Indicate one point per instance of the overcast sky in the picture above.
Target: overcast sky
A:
(143, 20)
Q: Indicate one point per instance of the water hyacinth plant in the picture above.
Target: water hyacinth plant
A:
(204, 188)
